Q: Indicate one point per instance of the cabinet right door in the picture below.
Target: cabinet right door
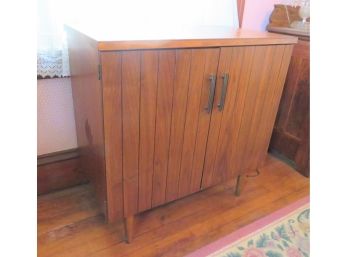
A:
(249, 84)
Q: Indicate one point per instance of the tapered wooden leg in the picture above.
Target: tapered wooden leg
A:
(129, 222)
(237, 192)
(240, 177)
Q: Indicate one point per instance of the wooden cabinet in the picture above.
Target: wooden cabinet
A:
(290, 138)
(178, 116)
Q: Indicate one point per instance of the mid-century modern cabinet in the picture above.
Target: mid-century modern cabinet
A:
(158, 120)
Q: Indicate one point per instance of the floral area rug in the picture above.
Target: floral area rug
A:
(284, 233)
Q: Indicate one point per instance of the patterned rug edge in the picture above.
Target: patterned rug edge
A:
(249, 229)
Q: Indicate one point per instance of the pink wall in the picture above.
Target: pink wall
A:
(55, 116)
(257, 12)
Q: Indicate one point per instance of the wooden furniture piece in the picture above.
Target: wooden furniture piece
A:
(290, 137)
(158, 120)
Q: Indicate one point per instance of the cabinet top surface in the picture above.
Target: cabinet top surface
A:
(112, 38)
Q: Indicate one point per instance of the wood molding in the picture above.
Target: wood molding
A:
(57, 156)
(59, 170)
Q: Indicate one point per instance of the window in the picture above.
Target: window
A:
(160, 15)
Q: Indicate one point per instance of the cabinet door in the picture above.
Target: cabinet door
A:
(160, 97)
(241, 127)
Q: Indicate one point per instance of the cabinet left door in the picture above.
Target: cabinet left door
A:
(155, 124)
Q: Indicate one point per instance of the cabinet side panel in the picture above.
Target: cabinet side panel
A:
(111, 74)
(87, 95)
(130, 128)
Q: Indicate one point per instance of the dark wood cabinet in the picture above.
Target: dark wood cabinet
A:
(290, 137)
(175, 116)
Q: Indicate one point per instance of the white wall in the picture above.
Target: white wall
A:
(55, 116)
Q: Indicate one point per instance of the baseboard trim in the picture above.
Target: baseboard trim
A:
(59, 170)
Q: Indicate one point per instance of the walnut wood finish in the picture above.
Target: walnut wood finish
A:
(158, 118)
(237, 133)
(129, 223)
(88, 109)
(291, 132)
(184, 60)
(148, 108)
(290, 137)
(112, 96)
(110, 39)
(237, 39)
(197, 121)
(161, 141)
(212, 144)
(158, 124)
(165, 88)
(130, 78)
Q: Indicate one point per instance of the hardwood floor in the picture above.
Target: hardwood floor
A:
(70, 225)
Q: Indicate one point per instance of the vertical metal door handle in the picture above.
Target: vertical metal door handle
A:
(212, 79)
(225, 78)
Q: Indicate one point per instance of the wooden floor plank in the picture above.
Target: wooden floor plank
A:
(66, 207)
(70, 225)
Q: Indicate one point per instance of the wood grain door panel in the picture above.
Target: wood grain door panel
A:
(239, 132)
(165, 88)
(228, 127)
(164, 123)
(147, 120)
(157, 128)
(130, 77)
(197, 120)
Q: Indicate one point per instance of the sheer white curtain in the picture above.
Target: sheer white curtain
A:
(52, 54)
(162, 15)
